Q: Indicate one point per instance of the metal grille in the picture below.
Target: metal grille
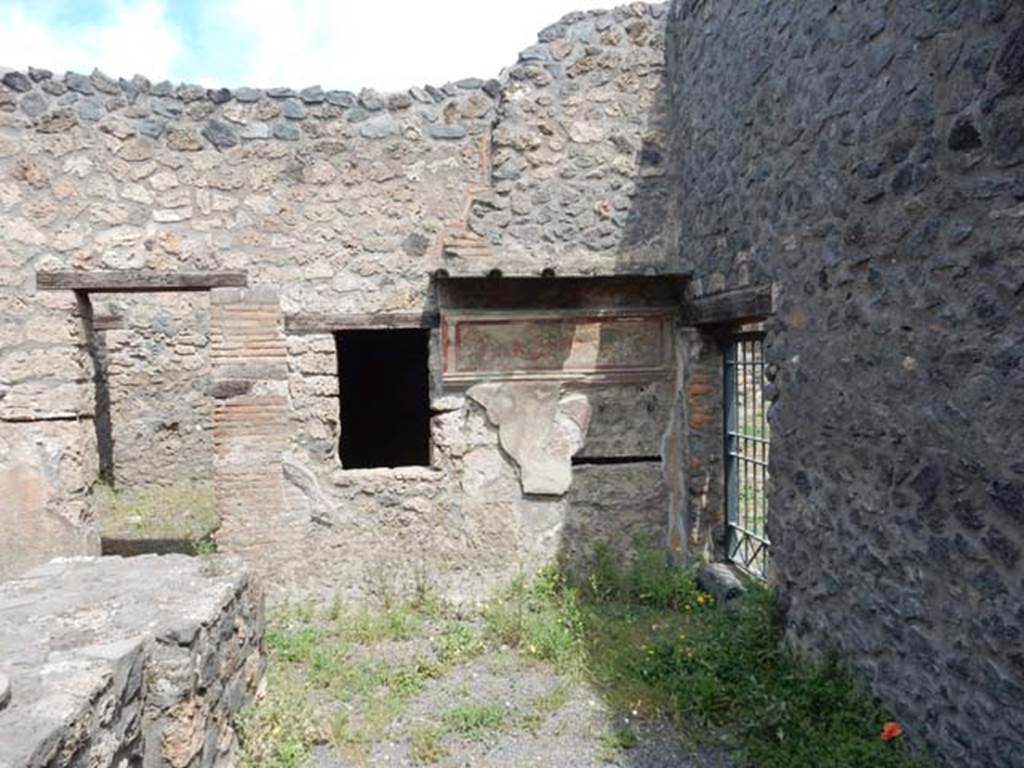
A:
(747, 442)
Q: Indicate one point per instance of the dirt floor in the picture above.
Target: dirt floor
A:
(406, 688)
(501, 709)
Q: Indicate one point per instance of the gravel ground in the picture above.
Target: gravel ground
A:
(541, 718)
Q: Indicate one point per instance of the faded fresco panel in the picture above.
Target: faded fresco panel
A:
(478, 347)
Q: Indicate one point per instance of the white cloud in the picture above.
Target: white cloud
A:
(383, 44)
(386, 45)
(134, 36)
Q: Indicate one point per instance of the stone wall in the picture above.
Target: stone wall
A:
(866, 157)
(579, 179)
(157, 370)
(48, 458)
(144, 661)
(335, 204)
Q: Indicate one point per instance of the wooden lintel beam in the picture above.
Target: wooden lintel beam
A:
(107, 322)
(137, 280)
(328, 323)
(740, 305)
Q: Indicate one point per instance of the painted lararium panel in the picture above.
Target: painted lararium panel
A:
(620, 347)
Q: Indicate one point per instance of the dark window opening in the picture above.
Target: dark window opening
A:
(385, 398)
(583, 461)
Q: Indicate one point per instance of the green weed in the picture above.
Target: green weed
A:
(656, 645)
(476, 721)
(615, 741)
(426, 746)
(542, 619)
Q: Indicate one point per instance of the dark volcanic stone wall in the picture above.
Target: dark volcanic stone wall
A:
(868, 157)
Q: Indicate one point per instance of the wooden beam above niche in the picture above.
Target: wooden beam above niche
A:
(730, 307)
(328, 323)
(605, 292)
(137, 280)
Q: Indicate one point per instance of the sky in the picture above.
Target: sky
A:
(343, 44)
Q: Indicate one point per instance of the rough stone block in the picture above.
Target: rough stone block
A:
(114, 659)
(721, 582)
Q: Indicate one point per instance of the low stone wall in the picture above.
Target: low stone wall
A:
(114, 660)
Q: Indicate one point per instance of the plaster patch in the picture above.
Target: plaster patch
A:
(539, 428)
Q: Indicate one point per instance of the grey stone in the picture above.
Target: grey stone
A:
(314, 94)
(79, 83)
(152, 128)
(379, 126)
(280, 93)
(189, 92)
(492, 88)
(5, 691)
(163, 89)
(293, 109)
(130, 90)
(53, 87)
(470, 83)
(340, 98)
(33, 104)
(551, 33)
(166, 107)
(103, 83)
(415, 245)
(357, 115)
(371, 100)
(447, 132)
(219, 95)
(535, 53)
(964, 136)
(220, 134)
(721, 582)
(223, 390)
(90, 109)
(286, 132)
(420, 95)
(248, 95)
(399, 101)
(38, 75)
(1010, 64)
(17, 81)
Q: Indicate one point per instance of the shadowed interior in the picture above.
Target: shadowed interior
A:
(385, 402)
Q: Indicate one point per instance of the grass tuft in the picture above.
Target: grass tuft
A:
(542, 620)
(476, 721)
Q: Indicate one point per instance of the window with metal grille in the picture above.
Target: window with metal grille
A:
(747, 442)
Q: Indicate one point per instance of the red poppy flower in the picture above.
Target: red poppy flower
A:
(891, 730)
